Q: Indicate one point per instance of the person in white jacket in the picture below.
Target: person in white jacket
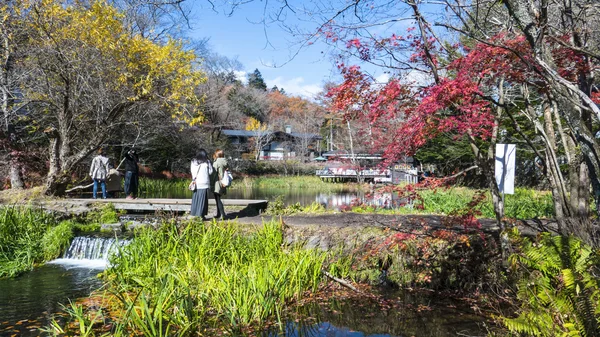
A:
(99, 172)
(201, 170)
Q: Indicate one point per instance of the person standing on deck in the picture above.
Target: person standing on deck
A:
(220, 165)
(99, 172)
(201, 170)
(131, 174)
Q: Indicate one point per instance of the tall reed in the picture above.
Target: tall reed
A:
(176, 279)
(150, 186)
(166, 186)
(28, 236)
(299, 182)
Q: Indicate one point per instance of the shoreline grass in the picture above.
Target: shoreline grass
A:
(164, 186)
(178, 280)
(524, 204)
(29, 236)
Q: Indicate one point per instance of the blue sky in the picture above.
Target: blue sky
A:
(238, 36)
(274, 52)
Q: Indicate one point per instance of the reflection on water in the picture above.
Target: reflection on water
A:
(28, 301)
(330, 200)
(358, 318)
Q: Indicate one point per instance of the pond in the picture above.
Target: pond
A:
(29, 301)
(405, 315)
(303, 196)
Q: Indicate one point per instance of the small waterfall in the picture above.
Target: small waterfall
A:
(90, 252)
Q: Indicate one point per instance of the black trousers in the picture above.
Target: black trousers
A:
(131, 183)
(220, 208)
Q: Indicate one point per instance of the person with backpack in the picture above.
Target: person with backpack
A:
(131, 174)
(99, 171)
(220, 186)
(201, 170)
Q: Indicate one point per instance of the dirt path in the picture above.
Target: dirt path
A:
(348, 219)
(395, 222)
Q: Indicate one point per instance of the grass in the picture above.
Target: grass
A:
(180, 279)
(524, 204)
(163, 186)
(18, 196)
(299, 182)
(28, 237)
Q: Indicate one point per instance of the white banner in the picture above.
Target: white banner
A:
(505, 167)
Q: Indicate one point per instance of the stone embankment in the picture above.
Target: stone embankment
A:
(326, 231)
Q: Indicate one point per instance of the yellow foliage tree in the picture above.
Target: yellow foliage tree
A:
(262, 135)
(91, 75)
(253, 124)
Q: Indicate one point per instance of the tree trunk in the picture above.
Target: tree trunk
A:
(570, 98)
(56, 184)
(15, 177)
(489, 166)
(497, 200)
(57, 180)
(555, 177)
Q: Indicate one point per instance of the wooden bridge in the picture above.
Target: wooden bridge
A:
(174, 205)
(375, 175)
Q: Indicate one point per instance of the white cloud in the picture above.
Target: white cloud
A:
(241, 76)
(417, 78)
(295, 86)
(383, 78)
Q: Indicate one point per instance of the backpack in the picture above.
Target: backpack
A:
(227, 178)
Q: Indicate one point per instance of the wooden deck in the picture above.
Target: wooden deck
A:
(176, 205)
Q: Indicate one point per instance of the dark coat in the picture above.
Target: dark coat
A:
(131, 163)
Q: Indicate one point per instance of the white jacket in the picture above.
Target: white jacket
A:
(201, 172)
(99, 168)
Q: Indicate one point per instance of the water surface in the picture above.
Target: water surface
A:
(404, 316)
(302, 196)
(27, 302)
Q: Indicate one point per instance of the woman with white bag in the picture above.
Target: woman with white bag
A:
(220, 189)
(201, 170)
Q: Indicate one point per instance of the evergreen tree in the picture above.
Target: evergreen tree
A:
(255, 80)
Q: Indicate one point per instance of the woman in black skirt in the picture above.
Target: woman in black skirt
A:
(201, 169)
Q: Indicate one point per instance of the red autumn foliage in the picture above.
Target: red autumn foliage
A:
(402, 119)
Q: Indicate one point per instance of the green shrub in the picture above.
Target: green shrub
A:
(278, 207)
(104, 215)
